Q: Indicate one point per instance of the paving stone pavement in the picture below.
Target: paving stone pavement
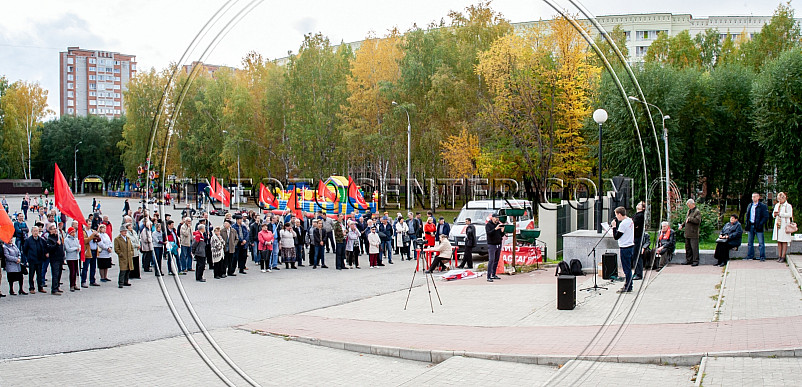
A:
(270, 361)
(461, 371)
(750, 371)
(588, 373)
(749, 286)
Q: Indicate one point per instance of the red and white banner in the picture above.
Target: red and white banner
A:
(524, 255)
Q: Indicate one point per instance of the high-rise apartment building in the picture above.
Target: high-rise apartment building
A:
(93, 82)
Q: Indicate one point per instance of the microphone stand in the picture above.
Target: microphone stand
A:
(595, 266)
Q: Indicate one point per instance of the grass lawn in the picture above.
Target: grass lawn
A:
(710, 244)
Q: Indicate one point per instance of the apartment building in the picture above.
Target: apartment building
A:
(93, 82)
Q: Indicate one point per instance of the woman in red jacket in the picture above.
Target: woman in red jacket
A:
(429, 229)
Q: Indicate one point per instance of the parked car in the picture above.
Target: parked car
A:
(480, 211)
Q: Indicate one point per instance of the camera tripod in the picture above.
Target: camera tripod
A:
(426, 275)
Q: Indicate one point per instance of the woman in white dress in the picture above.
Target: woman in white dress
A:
(783, 214)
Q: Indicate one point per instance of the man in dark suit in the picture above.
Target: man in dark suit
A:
(470, 242)
(757, 214)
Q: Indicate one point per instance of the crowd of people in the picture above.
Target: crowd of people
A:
(145, 241)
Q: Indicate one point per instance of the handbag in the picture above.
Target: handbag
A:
(23, 269)
(791, 228)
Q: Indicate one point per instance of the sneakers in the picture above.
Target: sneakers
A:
(264, 271)
(622, 290)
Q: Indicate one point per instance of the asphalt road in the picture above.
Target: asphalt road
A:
(106, 316)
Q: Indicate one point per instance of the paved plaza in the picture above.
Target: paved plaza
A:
(740, 325)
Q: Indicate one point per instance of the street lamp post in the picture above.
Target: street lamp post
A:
(75, 160)
(239, 187)
(665, 141)
(600, 116)
(409, 157)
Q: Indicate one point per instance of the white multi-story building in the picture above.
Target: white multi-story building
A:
(93, 82)
(642, 29)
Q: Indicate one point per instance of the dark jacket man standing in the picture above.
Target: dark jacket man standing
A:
(495, 232)
(470, 242)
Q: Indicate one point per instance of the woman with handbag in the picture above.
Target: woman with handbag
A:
(401, 236)
(784, 225)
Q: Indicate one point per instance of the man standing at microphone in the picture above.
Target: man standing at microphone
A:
(624, 233)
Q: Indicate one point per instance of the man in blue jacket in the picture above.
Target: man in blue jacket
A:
(20, 231)
(386, 233)
(757, 214)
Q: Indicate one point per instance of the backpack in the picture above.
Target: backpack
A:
(563, 269)
(576, 267)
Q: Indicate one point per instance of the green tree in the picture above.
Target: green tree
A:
(679, 50)
(709, 45)
(781, 33)
(317, 81)
(778, 117)
(98, 153)
(24, 106)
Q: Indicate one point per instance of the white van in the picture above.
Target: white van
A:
(480, 211)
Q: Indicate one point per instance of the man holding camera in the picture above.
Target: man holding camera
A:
(495, 232)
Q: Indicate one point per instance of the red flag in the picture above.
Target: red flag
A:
(213, 188)
(293, 207)
(323, 191)
(6, 226)
(355, 195)
(266, 197)
(224, 195)
(65, 201)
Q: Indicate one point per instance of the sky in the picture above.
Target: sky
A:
(158, 32)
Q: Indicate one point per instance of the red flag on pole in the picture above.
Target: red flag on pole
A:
(355, 195)
(213, 187)
(6, 226)
(266, 197)
(224, 195)
(65, 201)
(293, 207)
(324, 192)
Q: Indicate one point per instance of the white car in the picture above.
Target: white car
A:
(480, 211)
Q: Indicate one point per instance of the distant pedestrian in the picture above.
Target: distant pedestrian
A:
(352, 245)
(287, 245)
(495, 233)
(25, 206)
(72, 249)
(264, 247)
(137, 245)
(125, 253)
(34, 253)
(757, 214)
(691, 225)
(5, 204)
(218, 245)
(470, 243)
(374, 243)
(199, 251)
(13, 258)
(104, 249)
(783, 216)
(55, 251)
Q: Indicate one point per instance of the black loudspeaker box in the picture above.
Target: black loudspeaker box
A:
(566, 292)
(609, 265)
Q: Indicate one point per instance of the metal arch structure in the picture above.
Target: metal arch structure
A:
(673, 193)
(617, 334)
(103, 182)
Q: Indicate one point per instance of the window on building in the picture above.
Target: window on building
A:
(70, 111)
(70, 102)
(116, 63)
(92, 77)
(93, 69)
(70, 93)
(70, 77)
(116, 103)
(92, 86)
(116, 71)
(70, 60)
(628, 35)
(133, 67)
(109, 70)
(69, 69)
(117, 79)
(641, 50)
(116, 111)
(92, 61)
(69, 85)
(93, 111)
(92, 102)
(92, 94)
(116, 95)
